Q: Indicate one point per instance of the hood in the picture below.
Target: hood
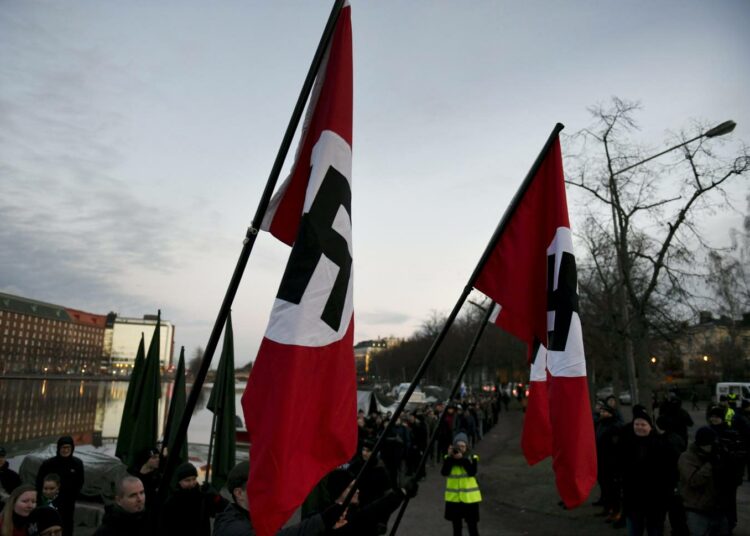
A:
(66, 440)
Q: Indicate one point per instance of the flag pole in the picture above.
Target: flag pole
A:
(456, 386)
(210, 447)
(514, 203)
(247, 245)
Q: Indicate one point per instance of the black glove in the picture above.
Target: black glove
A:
(410, 488)
(332, 514)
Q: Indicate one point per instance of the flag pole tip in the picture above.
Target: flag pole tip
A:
(559, 127)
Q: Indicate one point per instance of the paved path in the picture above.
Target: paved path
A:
(518, 499)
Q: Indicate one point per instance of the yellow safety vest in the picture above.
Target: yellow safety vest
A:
(460, 487)
(729, 416)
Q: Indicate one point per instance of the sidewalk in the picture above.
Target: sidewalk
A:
(518, 499)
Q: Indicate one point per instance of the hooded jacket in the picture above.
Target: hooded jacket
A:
(70, 470)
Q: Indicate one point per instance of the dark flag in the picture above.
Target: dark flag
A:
(221, 404)
(127, 421)
(146, 403)
(176, 410)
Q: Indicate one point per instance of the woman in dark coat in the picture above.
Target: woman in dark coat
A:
(647, 477)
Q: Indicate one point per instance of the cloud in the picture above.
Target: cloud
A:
(378, 318)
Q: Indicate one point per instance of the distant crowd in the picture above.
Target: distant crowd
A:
(47, 507)
(657, 467)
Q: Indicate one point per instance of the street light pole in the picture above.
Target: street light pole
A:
(719, 130)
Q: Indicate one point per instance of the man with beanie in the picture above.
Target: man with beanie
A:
(9, 479)
(70, 470)
(188, 510)
(235, 519)
(45, 521)
(127, 516)
(698, 485)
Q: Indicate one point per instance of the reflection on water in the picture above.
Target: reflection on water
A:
(35, 412)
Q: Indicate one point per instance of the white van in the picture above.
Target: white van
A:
(741, 389)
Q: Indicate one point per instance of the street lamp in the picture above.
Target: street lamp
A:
(719, 130)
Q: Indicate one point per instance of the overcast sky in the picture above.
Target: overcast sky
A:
(136, 137)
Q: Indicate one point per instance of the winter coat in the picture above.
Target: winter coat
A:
(235, 521)
(697, 481)
(118, 522)
(608, 432)
(188, 511)
(365, 520)
(70, 470)
(9, 479)
(647, 475)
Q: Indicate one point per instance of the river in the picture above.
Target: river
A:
(35, 412)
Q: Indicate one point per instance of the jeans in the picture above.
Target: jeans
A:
(700, 524)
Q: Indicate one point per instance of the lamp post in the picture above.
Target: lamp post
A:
(719, 130)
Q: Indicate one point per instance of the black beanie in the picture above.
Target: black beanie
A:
(717, 411)
(185, 470)
(641, 413)
(42, 519)
(237, 477)
(704, 436)
(337, 481)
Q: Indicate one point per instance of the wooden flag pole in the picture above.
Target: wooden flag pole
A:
(247, 247)
(456, 386)
(515, 202)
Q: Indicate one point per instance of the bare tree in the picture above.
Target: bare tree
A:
(650, 217)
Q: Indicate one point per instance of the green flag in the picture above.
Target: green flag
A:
(176, 410)
(146, 403)
(221, 403)
(127, 422)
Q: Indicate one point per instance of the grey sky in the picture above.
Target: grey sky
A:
(136, 137)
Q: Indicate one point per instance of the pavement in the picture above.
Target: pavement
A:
(522, 500)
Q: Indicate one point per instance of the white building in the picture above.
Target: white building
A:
(123, 335)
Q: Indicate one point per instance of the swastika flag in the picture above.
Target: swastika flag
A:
(300, 401)
(531, 275)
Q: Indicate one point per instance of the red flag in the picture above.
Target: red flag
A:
(531, 274)
(300, 400)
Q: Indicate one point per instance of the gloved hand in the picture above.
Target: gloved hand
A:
(410, 488)
(332, 514)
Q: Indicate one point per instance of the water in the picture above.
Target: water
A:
(35, 412)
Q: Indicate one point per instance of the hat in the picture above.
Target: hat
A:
(42, 519)
(237, 477)
(639, 412)
(704, 436)
(337, 481)
(462, 437)
(716, 411)
(186, 470)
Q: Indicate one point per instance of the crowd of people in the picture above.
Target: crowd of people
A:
(48, 506)
(649, 469)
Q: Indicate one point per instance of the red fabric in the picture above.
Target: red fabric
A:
(558, 417)
(536, 438)
(515, 275)
(300, 406)
(574, 456)
(332, 111)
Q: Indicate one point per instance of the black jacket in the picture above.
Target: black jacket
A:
(188, 512)
(9, 479)
(118, 522)
(647, 474)
(70, 470)
(234, 521)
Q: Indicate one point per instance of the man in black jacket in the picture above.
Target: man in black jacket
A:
(127, 517)
(70, 469)
(235, 520)
(9, 479)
